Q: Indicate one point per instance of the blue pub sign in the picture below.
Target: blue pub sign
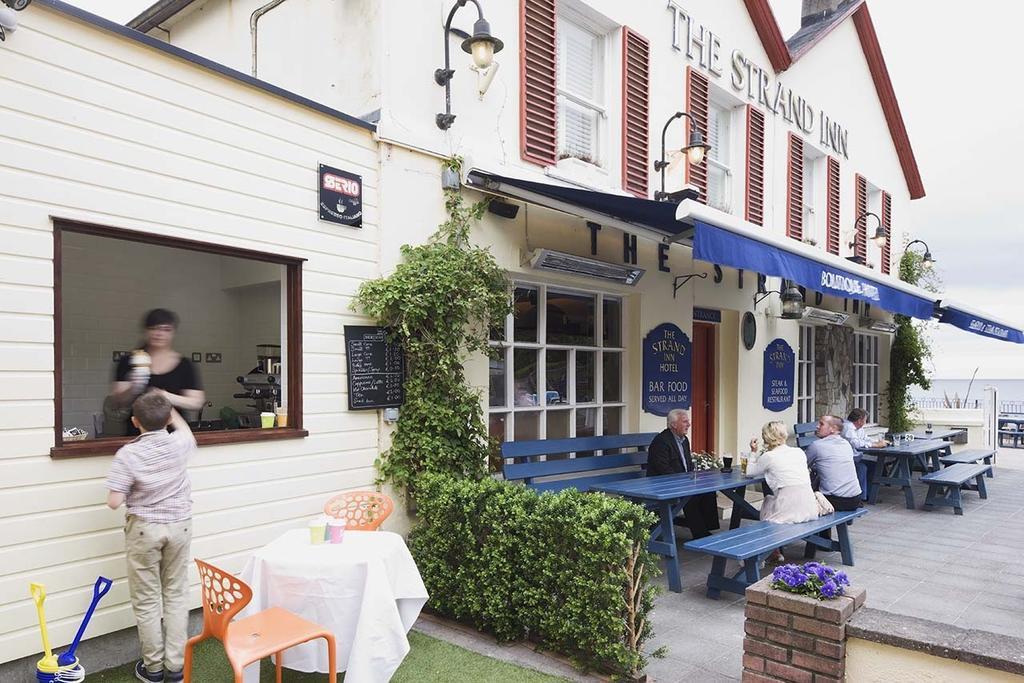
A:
(667, 369)
(779, 365)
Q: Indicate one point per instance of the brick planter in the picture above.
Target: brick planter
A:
(796, 638)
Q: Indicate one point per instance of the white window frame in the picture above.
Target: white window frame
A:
(510, 411)
(728, 114)
(805, 374)
(866, 374)
(579, 21)
(814, 196)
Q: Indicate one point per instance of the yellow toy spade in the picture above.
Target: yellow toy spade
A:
(48, 664)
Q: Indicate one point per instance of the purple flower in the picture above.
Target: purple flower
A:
(795, 579)
(829, 589)
(842, 579)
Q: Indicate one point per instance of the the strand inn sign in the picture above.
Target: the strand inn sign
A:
(704, 47)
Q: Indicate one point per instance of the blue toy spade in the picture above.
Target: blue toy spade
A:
(103, 585)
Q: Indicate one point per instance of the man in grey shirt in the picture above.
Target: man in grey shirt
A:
(831, 456)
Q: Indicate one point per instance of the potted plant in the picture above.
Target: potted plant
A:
(812, 579)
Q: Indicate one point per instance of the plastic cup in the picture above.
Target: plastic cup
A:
(267, 420)
(335, 530)
(282, 417)
(317, 531)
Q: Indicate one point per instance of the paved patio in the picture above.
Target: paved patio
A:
(965, 571)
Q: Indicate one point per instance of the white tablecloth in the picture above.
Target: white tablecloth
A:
(366, 589)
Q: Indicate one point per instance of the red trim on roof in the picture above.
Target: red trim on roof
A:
(887, 97)
(768, 31)
(778, 54)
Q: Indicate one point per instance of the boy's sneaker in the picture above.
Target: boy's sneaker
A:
(173, 676)
(143, 674)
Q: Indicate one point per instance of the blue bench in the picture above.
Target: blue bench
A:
(944, 486)
(970, 456)
(805, 433)
(752, 543)
(556, 464)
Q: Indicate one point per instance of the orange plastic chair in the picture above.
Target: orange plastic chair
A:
(248, 640)
(363, 510)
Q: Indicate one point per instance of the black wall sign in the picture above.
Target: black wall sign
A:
(706, 315)
(376, 368)
(341, 197)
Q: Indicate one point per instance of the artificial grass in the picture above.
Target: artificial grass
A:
(429, 661)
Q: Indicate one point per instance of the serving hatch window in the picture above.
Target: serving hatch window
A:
(207, 325)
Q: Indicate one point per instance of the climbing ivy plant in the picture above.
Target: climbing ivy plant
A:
(440, 304)
(910, 349)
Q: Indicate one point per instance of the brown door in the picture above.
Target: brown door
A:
(702, 431)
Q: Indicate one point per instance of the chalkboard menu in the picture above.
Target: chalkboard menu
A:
(376, 368)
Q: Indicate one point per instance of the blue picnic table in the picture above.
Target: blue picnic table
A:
(940, 434)
(902, 455)
(667, 495)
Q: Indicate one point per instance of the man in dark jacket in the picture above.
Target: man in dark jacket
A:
(669, 453)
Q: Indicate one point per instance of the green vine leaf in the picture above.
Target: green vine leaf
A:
(440, 304)
(911, 349)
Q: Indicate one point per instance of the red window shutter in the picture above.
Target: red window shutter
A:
(795, 189)
(636, 55)
(755, 166)
(832, 209)
(697, 107)
(861, 237)
(887, 224)
(538, 108)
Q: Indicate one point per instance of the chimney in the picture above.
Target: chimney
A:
(818, 10)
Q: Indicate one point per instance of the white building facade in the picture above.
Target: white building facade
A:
(171, 179)
(805, 138)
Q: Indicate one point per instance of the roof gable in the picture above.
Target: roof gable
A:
(782, 55)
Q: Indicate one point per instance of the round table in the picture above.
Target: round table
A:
(366, 589)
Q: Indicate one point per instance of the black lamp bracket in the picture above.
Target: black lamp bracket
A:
(857, 223)
(444, 76)
(676, 284)
(661, 164)
(761, 296)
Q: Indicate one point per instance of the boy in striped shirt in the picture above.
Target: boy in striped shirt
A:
(150, 475)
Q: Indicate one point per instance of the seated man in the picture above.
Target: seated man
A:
(831, 456)
(669, 453)
(853, 431)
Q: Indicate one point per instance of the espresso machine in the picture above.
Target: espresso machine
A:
(261, 385)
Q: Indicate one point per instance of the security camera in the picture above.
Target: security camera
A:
(18, 5)
(8, 22)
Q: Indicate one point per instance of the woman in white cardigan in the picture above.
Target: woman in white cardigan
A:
(785, 470)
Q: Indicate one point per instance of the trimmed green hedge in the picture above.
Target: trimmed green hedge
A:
(569, 570)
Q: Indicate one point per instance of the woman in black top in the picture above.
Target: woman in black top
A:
(170, 372)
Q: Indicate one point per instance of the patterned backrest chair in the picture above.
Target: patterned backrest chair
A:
(363, 510)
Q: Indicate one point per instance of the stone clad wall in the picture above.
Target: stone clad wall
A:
(833, 370)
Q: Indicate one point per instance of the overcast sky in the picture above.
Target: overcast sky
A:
(954, 71)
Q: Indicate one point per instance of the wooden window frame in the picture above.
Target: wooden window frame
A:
(107, 446)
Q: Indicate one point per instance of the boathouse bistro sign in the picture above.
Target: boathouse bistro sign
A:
(779, 362)
(667, 369)
(703, 46)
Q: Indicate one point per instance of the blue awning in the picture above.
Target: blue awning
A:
(986, 327)
(819, 272)
(627, 210)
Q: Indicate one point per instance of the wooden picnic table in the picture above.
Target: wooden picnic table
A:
(902, 455)
(667, 495)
